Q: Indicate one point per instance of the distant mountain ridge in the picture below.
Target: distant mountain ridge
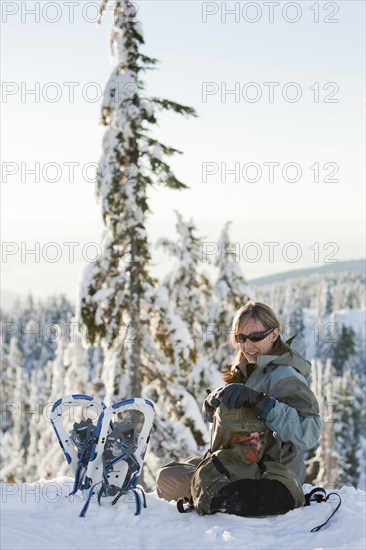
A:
(8, 299)
(350, 265)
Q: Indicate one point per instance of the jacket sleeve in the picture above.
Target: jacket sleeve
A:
(295, 416)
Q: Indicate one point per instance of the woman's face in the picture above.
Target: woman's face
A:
(251, 350)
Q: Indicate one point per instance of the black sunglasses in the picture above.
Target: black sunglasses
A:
(254, 336)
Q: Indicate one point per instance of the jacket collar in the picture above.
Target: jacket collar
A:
(295, 360)
(264, 360)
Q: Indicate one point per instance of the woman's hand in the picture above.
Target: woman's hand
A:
(235, 396)
(210, 404)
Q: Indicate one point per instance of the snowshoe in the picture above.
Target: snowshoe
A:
(107, 456)
(78, 444)
(116, 460)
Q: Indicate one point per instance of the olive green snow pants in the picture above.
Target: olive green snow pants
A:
(174, 479)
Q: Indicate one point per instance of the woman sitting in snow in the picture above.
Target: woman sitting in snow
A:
(268, 378)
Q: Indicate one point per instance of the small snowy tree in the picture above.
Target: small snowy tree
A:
(181, 306)
(38, 425)
(350, 408)
(325, 466)
(14, 448)
(187, 291)
(77, 368)
(49, 455)
(343, 349)
(8, 377)
(231, 291)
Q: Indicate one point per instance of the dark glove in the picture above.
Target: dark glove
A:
(235, 396)
(210, 404)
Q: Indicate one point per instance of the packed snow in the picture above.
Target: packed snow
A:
(41, 516)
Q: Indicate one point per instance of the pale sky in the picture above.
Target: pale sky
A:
(306, 70)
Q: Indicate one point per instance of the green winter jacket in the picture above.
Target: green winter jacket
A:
(294, 421)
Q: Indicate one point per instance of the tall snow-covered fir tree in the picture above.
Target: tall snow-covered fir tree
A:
(112, 294)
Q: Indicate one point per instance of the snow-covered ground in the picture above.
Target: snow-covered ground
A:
(42, 516)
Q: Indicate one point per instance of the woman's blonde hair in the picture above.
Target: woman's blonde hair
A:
(257, 312)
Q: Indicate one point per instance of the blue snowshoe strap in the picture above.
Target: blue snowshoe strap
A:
(77, 480)
(138, 502)
(319, 495)
(139, 488)
(86, 505)
(83, 437)
(136, 490)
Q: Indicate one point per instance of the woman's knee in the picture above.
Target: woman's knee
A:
(174, 481)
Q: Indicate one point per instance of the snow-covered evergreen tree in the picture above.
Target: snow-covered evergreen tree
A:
(340, 457)
(38, 425)
(350, 411)
(343, 349)
(325, 466)
(181, 310)
(185, 295)
(15, 442)
(59, 384)
(78, 372)
(112, 294)
(231, 291)
(8, 377)
(31, 337)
